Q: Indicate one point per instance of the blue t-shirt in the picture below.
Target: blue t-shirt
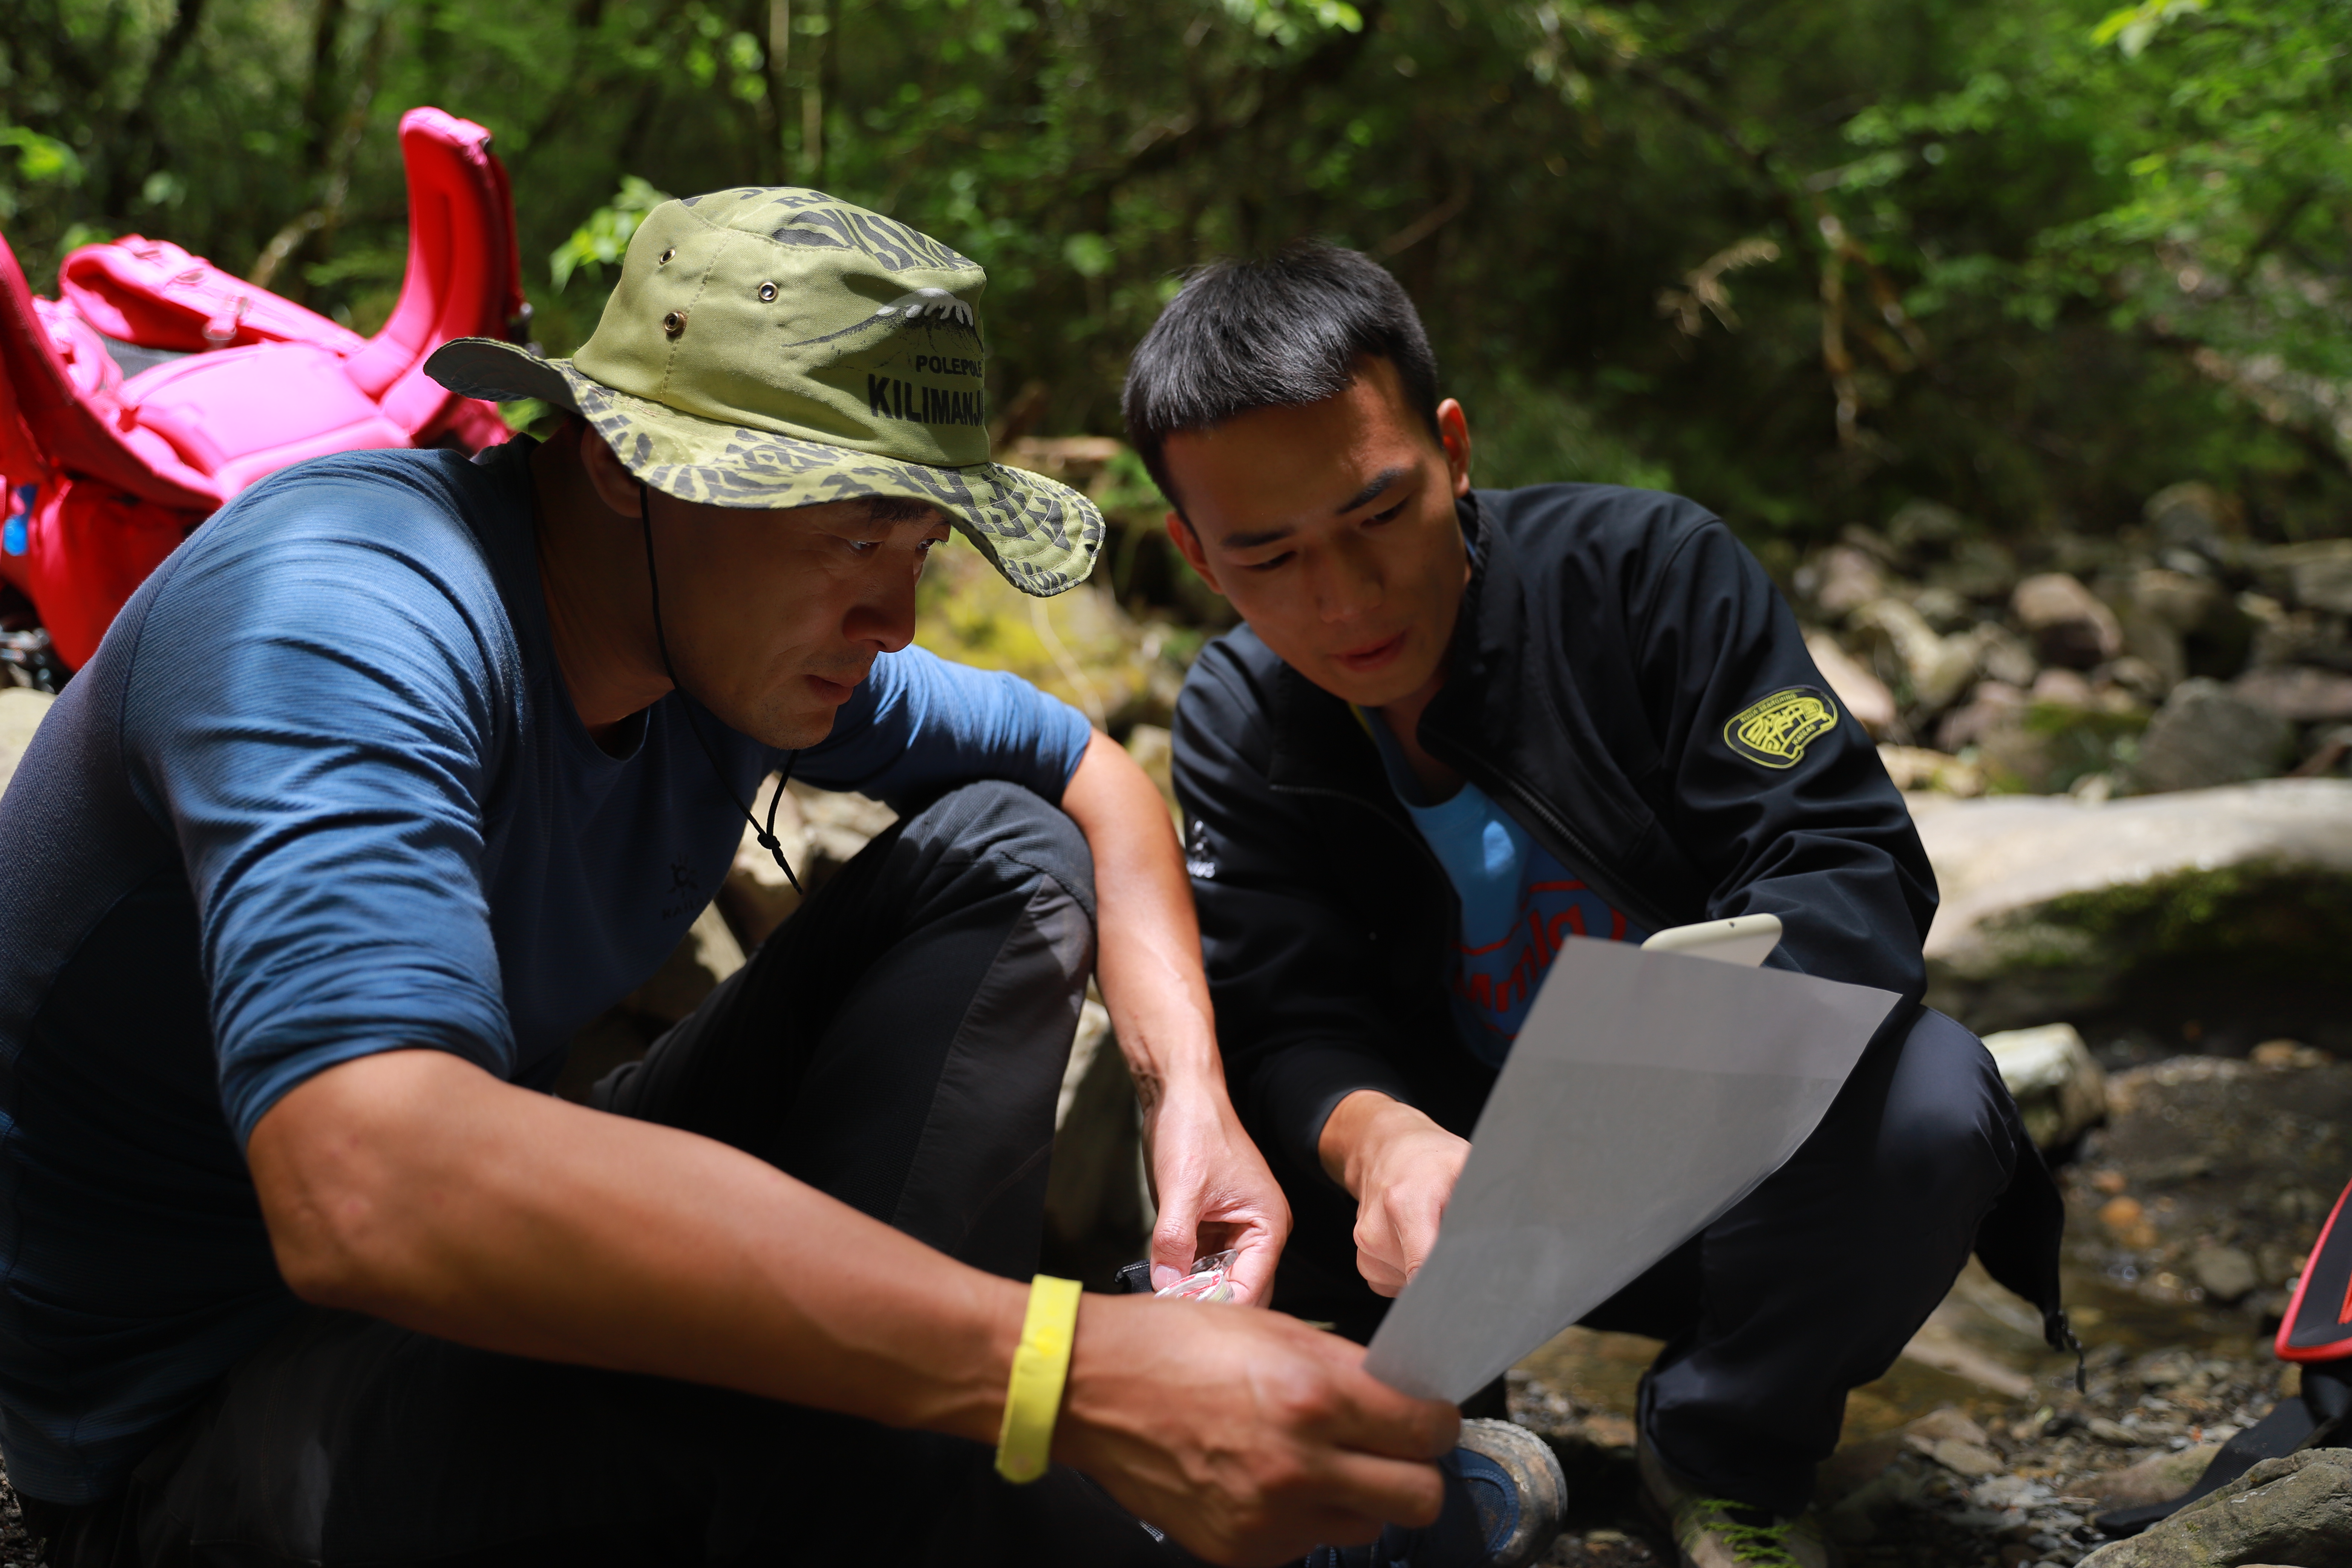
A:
(323, 792)
(1518, 903)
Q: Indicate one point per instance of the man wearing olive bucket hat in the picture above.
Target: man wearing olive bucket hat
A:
(407, 766)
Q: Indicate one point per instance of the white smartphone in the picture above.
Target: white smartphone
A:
(1743, 939)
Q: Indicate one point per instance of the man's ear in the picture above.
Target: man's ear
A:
(1453, 434)
(614, 485)
(1188, 545)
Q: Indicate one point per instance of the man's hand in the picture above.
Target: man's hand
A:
(1213, 1188)
(1249, 1437)
(413, 1186)
(1215, 1192)
(1401, 1167)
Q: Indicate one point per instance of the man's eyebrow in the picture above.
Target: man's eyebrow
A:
(1251, 540)
(1381, 481)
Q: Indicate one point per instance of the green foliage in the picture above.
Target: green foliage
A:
(1804, 259)
(1524, 432)
(41, 161)
(1285, 22)
(603, 239)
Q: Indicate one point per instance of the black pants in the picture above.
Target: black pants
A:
(1809, 1288)
(898, 1044)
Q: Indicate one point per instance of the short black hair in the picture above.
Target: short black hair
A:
(1287, 329)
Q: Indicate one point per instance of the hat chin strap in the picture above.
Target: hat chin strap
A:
(767, 834)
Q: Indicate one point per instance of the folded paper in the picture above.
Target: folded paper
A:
(1648, 1093)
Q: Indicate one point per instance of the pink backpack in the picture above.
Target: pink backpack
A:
(106, 472)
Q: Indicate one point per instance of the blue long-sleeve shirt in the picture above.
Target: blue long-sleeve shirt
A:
(321, 793)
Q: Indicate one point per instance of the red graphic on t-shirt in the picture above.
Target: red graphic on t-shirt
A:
(1499, 982)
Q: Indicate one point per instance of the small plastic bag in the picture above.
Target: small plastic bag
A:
(1211, 1280)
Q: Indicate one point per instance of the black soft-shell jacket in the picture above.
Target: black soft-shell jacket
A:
(1628, 684)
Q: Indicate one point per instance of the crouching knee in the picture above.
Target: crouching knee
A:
(1949, 1136)
(996, 818)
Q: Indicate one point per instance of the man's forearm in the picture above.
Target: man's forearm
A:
(1149, 939)
(1213, 1186)
(415, 1187)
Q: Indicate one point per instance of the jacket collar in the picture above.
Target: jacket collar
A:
(1481, 695)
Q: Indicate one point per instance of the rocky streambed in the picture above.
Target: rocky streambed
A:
(2094, 743)
(2189, 1213)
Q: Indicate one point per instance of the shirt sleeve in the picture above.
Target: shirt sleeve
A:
(1815, 834)
(1302, 1019)
(312, 712)
(920, 724)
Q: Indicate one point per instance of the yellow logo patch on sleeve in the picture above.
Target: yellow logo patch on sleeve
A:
(1774, 733)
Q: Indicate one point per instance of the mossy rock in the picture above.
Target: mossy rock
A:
(2053, 909)
(1079, 646)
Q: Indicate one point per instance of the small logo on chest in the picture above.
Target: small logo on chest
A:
(685, 895)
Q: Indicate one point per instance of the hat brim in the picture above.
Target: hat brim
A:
(1041, 535)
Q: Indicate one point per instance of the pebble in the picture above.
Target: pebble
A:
(2226, 1272)
(1966, 1458)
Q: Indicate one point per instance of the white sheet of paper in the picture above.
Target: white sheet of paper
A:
(1647, 1093)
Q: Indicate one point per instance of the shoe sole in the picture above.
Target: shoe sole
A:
(1543, 1487)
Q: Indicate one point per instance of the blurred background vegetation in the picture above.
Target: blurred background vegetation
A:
(1805, 260)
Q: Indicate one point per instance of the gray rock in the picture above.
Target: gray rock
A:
(2050, 908)
(2135, 677)
(1924, 525)
(757, 896)
(2283, 636)
(2191, 516)
(2113, 1434)
(1917, 767)
(2060, 1090)
(1972, 1460)
(2330, 748)
(1154, 751)
(2298, 693)
(2156, 1478)
(819, 831)
(21, 711)
(1841, 580)
(2317, 575)
(2181, 624)
(2066, 688)
(2002, 656)
(1945, 609)
(2227, 1273)
(1979, 568)
(1862, 693)
(2205, 734)
(1993, 705)
(1098, 1209)
(1937, 667)
(2296, 1509)
(838, 827)
(2065, 621)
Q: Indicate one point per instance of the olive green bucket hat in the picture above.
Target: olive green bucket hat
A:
(774, 347)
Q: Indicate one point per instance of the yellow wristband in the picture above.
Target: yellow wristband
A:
(1041, 1364)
